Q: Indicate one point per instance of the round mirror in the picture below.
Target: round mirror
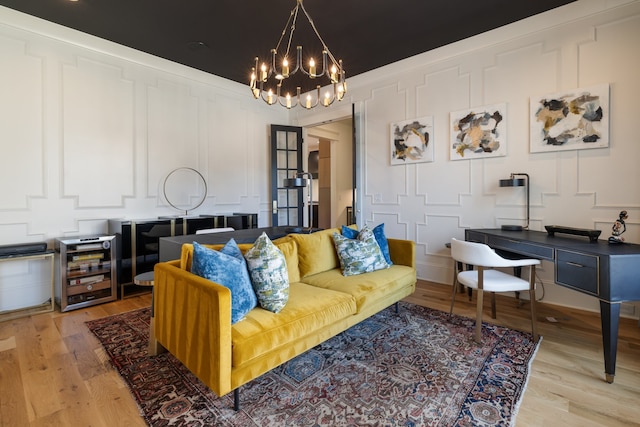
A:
(185, 189)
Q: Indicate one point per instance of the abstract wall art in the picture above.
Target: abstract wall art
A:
(479, 132)
(412, 141)
(571, 120)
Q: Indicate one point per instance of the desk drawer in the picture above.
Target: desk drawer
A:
(520, 247)
(579, 271)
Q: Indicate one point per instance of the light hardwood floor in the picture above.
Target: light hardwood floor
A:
(53, 372)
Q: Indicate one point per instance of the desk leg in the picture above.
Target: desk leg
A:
(610, 315)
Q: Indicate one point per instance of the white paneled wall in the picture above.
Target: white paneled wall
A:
(585, 43)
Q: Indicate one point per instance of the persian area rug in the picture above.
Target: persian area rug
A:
(417, 367)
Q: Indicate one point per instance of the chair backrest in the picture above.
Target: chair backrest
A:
(214, 230)
(480, 254)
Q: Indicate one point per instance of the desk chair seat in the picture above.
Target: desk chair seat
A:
(484, 278)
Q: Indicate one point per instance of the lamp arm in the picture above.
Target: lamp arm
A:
(309, 196)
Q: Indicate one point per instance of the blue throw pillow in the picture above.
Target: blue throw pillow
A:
(378, 233)
(229, 270)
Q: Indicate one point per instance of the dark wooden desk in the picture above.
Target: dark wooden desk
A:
(608, 272)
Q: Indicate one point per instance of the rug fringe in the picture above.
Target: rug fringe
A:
(516, 407)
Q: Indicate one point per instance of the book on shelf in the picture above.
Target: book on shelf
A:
(89, 246)
(83, 265)
(87, 257)
(86, 280)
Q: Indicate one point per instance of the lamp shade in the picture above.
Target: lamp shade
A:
(512, 182)
(295, 182)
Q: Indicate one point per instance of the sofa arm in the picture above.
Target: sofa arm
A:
(193, 322)
(403, 252)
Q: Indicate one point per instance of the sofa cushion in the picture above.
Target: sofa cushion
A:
(378, 233)
(268, 272)
(360, 255)
(316, 252)
(366, 288)
(308, 310)
(228, 268)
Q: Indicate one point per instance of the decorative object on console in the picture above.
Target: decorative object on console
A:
(276, 73)
(410, 141)
(618, 228)
(591, 234)
(517, 182)
(479, 132)
(300, 182)
(175, 187)
(570, 120)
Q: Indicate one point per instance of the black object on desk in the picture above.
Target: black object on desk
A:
(610, 273)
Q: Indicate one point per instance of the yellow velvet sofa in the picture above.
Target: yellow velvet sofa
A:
(193, 314)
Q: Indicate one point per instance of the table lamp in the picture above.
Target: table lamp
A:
(517, 182)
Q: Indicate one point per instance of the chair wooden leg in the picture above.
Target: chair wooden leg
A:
(453, 295)
(493, 305)
(532, 297)
(478, 337)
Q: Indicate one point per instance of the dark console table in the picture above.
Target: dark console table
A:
(608, 272)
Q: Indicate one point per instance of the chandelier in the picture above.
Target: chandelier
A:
(267, 80)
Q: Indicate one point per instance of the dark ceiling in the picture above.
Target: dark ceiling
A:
(223, 37)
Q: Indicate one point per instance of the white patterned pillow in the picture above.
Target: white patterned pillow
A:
(268, 271)
(361, 255)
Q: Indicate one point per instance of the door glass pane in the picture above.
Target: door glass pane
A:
(293, 141)
(281, 158)
(281, 141)
(293, 160)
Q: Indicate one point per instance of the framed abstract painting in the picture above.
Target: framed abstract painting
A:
(575, 119)
(478, 133)
(412, 141)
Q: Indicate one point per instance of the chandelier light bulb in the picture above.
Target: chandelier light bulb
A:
(263, 72)
(312, 68)
(285, 68)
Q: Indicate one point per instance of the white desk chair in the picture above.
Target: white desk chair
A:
(214, 230)
(484, 278)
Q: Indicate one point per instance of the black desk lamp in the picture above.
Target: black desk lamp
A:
(517, 182)
(300, 182)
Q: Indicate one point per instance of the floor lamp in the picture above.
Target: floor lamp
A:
(517, 182)
(300, 182)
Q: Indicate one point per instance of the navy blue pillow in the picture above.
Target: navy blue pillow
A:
(378, 233)
(228, 268)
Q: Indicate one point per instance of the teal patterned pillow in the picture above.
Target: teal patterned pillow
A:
(268, 271)
(229, 270)
(361, 255)
(378, 233)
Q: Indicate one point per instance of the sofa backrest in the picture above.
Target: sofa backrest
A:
(316, 252)
(286, 245)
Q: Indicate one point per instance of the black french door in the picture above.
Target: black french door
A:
(287, 204)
